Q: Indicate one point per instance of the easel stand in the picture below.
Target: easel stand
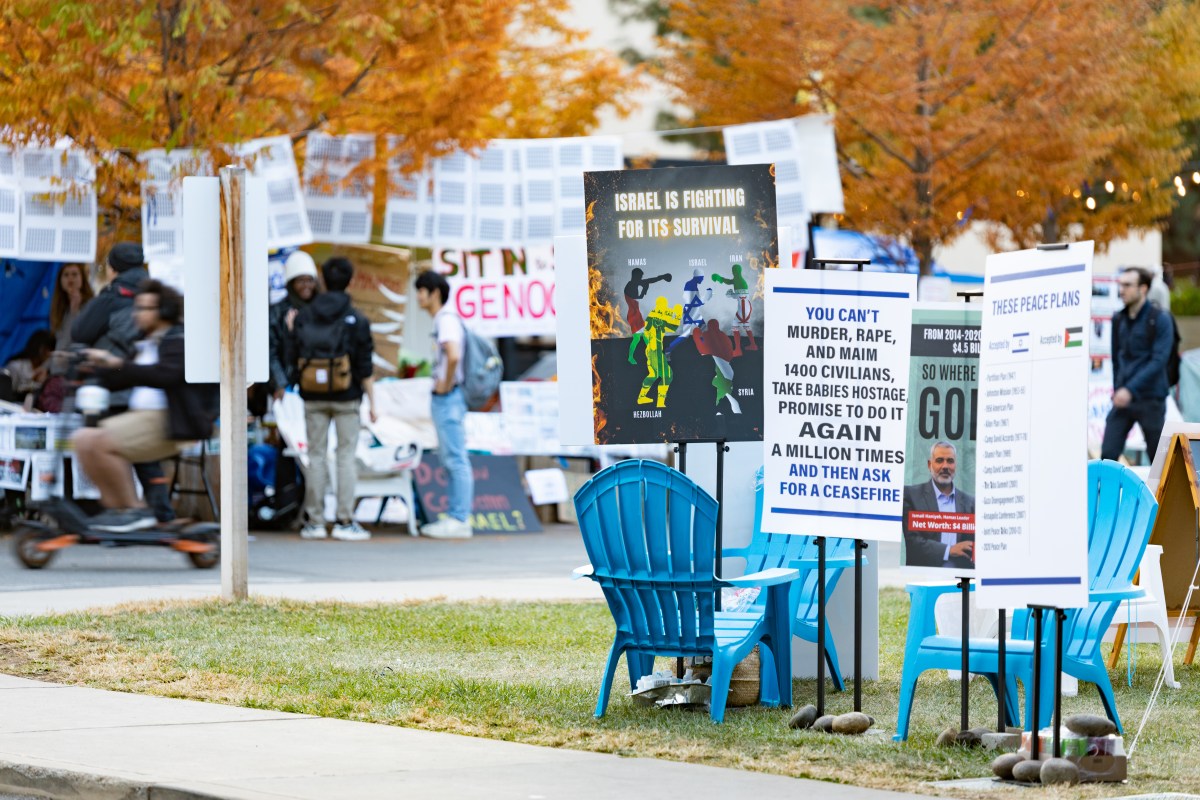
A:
(1059, 616)
(860, 548)
(722, 449)
(964, 585)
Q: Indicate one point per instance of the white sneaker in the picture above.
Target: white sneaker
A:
(312, 531)
(350, 532)
(447, 528)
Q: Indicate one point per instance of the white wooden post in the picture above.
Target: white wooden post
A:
(234, 506)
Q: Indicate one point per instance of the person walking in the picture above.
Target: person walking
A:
(448, 406)
(1142, 337)
(332, 346)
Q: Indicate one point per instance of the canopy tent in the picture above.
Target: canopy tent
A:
(25, 290)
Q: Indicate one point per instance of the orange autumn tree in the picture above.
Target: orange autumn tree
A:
(123, 76)
(948, 110)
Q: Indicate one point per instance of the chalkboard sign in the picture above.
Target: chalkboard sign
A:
(500, 502)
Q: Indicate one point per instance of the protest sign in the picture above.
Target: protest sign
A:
(1031, 465)
(675, 259)
(500, 504)
(836, 401)
(939, 473)
(501, 292)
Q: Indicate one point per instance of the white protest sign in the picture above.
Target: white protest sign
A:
(502, 292)
(201, 277)
(835, 402)
(547, 486)
(1031, 462)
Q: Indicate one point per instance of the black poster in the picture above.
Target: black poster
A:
(500, 503)
(676, 260)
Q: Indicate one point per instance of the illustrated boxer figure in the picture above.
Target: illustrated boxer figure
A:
(635, 291)
(693, 314)
(740, 290)
(661, 321)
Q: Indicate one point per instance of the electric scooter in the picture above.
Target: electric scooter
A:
(60, 523)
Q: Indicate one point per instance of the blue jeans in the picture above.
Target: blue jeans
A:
(449, 410)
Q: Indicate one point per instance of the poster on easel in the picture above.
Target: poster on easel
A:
(14, 470)
(676, 259)
(939, 464)
(1031, 538)
(836, 400)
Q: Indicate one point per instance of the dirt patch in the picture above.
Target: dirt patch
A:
(14, 661)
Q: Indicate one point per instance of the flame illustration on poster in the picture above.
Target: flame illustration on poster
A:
(676, 259)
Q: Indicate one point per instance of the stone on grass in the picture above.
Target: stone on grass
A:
(1027, 771)
(1003, 765)
(803, 718)
(1059, 770)
(968, 739)
(852, 723)
(947, 737)
(824, 724)
(1006, 742)
(1090, 724)
(980, 731)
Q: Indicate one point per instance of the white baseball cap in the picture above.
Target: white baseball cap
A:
(299, 264)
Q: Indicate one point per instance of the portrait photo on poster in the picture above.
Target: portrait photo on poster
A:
(676, 260)
(939, 479)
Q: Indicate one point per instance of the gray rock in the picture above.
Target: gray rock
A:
(1090, 724)
(1004, 742)
(1027, 771)
(1003, 765)
(968, 739)
(980, 731)
(852, 723)
(824, 724)
(803, 718)
(947, 737)
(1059, 770)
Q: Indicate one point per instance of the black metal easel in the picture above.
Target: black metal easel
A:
(860, 547)
(1059, 616)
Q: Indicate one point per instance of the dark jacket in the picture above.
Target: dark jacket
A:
(106, 322)
(1140, 352)
(925, 548)
(191, 408)
(280, 342)
(324, 311)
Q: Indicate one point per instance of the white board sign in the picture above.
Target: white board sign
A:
(835, 402)
(201, 277)
(1031, 460)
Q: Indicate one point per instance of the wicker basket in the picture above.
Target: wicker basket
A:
(743, 684)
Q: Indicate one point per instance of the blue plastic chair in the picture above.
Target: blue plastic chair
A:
(650, 534)
(768, 550)
(1121, 512)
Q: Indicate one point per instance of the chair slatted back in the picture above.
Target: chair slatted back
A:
(1121, 512)
(650, 535)
(768, 550)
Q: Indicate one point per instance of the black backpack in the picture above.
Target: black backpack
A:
(324, 354)
(1174, 360)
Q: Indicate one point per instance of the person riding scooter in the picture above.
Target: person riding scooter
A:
(165, 412)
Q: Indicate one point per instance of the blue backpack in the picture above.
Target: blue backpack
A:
(482, 369)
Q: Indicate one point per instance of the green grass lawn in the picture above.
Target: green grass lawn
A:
(529, 672)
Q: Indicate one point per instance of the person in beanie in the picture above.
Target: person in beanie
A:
(107, 323)
(300, 275)
(331, 350)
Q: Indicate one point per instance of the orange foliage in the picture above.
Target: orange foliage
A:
(123, 76)
(991, 106)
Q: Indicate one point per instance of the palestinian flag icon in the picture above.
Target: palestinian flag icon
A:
(1073, 337)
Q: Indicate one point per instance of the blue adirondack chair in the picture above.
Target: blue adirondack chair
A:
(1121, 512)
(768, 550)
(650, 535)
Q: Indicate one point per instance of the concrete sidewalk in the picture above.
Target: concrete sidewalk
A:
(64, 741)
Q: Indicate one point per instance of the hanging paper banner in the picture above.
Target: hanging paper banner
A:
(162, 200)
(272, 160)
(339, 210)
(502, 292)
(58, 205)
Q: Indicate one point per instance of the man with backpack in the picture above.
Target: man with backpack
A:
(448, 406)
(1144, 348)
(333, 348)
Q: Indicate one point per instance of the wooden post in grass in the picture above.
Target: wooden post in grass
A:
(234, 506)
